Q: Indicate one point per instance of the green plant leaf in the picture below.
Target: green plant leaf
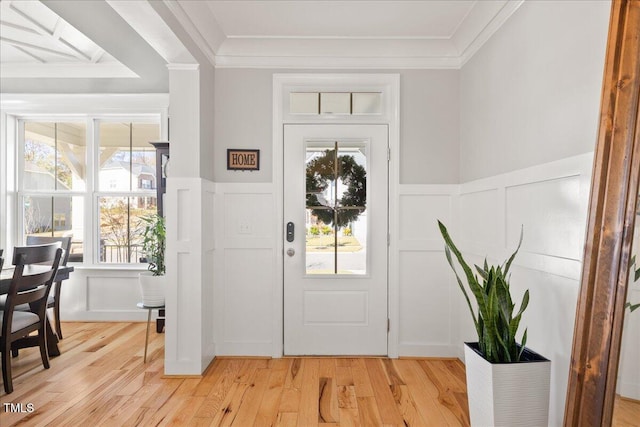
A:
(493, 316)
(482, 272)
(475, 287)
(464, 291)
(523, 343)
(632, 307)
(154, 238)
(508, 264)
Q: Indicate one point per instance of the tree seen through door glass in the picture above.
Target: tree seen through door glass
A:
(336, 198)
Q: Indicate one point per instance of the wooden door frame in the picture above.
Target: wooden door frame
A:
(612, 211)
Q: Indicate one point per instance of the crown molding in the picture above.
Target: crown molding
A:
(192, 30)
(508, 9)
(336, 63)
(482, 21)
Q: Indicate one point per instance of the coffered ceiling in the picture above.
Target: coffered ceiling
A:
(36, 42)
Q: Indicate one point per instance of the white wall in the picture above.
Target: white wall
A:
(629, 368)
(528, 111)
(532, 93)
(428, 126)
(189, 340)
(244, 273)
(428, 316)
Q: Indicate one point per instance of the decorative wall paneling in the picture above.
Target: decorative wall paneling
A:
(102, 295)
(550, 202)
(189, 332)
(245, 270)
(426, 303)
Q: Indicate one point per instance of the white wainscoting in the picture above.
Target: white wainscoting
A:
(421, 286)
(103, 294)
(549, 202)
(247, 289)
(189, 332)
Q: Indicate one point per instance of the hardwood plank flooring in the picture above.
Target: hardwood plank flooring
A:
(100, 380)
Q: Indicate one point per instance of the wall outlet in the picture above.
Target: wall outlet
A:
(244, 227)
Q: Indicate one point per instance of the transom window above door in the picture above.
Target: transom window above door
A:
(335, 103)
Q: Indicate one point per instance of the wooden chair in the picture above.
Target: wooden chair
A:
(32, 289)
(54, 297)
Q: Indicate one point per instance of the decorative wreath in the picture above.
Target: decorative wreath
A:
(321, 173)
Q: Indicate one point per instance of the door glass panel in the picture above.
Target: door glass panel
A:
(336, 198)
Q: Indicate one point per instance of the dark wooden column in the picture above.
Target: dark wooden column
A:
(614, 191)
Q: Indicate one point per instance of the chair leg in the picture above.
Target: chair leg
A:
(42, 340)
(146, 341)
(56, 313)
(6, 369)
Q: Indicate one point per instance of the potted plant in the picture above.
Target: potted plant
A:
(152, 282)
(507, 383)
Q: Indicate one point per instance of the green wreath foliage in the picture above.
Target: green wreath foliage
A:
(320, 175)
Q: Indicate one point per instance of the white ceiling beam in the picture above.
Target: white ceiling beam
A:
(26, 52)
(70, 71)
(146, 22)
(36, 47)
(39, 27)
(206, 46)
(18, 27)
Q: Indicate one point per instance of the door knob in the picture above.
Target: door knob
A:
(291, 252)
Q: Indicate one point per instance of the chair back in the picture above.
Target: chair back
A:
(32, 288)
(45, 240)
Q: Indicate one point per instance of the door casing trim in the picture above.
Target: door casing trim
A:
(389, 86)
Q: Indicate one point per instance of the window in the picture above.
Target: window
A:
(53, 177)
(91, 179)
(127, 167)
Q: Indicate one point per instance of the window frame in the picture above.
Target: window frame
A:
(91, 194)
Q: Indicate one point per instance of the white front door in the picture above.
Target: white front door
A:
(335, 242)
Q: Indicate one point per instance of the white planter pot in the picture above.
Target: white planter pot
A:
(507, 394)
(153, 289)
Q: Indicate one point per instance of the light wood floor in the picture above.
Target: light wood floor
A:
(100, 380)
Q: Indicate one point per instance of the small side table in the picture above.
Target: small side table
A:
(146, 341)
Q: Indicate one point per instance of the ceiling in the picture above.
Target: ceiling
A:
(342, 34)
(96, 38)
(36, 42)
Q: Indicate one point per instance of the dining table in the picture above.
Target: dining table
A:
(5, 281)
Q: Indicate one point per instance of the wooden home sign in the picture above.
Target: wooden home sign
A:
(243, 160)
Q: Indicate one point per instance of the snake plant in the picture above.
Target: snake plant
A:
(494, 319)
